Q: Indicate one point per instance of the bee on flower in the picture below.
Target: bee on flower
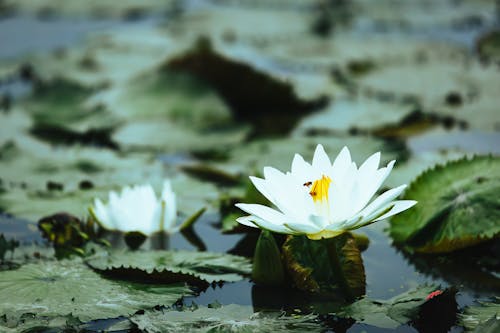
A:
(324, 199)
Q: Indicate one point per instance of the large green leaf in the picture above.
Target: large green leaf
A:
(174, 266)
(69, 287)
(477, 315)
(312, 269)
(228, 318)
(458, 206)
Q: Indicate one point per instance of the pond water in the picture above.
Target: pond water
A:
(97, 88)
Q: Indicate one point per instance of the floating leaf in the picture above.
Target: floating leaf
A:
(475, 316)
(227, 318)
(175, 266)
(488, 46)
(69, 287)
(269, 97)
(66, 179)
(30, 322)
(362, 115)
(388, 314)
(59, 105)
(458, 207)
(309, 265)
(14, 123)
(100, 9)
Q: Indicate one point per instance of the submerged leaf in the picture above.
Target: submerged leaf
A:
(458, 207)
(69, 287)
(227, 318)
(174, 266)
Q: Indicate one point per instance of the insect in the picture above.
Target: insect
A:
(307, 184)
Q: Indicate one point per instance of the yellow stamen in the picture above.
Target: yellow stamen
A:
(319, 189)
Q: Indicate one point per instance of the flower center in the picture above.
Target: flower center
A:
(319, 189)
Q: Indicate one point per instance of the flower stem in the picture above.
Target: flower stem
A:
(333, 255)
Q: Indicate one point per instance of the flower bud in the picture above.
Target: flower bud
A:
(267, 264)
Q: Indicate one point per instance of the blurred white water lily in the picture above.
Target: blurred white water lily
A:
(323, 200)
(138, 209)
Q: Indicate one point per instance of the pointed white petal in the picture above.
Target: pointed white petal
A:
(321, 161)
(341, 164)
(302, 170)
(399, 206)
(246, 220)
(263, 212)
(371, 164)
(263, 224)
(368, 184)
(382, 200)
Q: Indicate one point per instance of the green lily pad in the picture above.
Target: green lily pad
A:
(488, 46)
(450, 197)
(175, 266)
(388, 314)
(14, 123)
(29, 322)
(65, 179)
(475, 316)
(356, 114)
(312, 270)
(69, 287)
(412, 15)
(270, 97)
(106, 59)
(100, 9)
(464, 94)
(60, 104)
(227, 318)
(144, 136)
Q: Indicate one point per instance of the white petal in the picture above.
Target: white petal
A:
(368, 184)
(399, 206)
(382, 200)
(263, 212)
(321, 161)
(170, 214)
(341, 164)
(371, 164)
(303, 228)
(302, 170)
(261, 186)
(101, 213)
(288, 195)
(263, 224)
(246, 220)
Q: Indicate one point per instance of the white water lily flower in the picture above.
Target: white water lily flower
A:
(137, 208)
(323, 200)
